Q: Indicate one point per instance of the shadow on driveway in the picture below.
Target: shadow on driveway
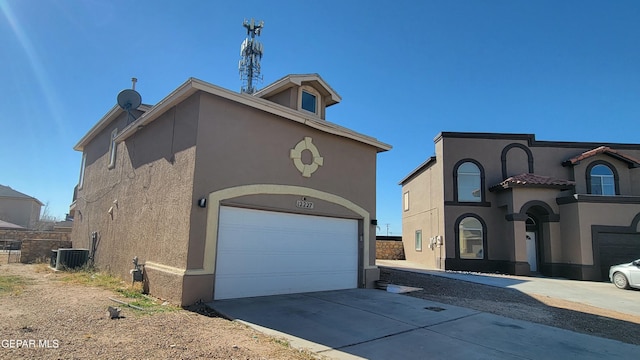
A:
(375, 324)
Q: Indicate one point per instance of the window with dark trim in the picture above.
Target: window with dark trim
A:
(471, 237)
(602, 179)
(469, 182)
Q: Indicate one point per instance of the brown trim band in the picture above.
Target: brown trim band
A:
(598, 199)
(531, 140)
(474, 204)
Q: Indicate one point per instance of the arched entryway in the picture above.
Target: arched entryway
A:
(533, 236)
(537, 215)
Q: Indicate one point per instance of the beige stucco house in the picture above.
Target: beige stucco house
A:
(19, 208)
(225, 195)
(510, 203)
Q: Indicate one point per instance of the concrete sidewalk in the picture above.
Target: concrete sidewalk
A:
(374, 324)
(599, 294)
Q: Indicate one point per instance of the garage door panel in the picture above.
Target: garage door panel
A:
(306, 244)
(248, 286)
(267, 253)
(273, 263)
(314, 239)
(617, 248)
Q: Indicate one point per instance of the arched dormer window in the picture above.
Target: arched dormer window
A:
(601, 180)
(469, 184)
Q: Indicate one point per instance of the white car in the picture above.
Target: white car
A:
(624, 276)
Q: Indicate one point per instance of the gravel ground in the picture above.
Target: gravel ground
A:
(514, 304)
(67, 321)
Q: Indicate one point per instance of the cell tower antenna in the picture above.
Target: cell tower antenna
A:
(251, 52)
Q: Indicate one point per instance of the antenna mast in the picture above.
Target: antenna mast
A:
(251, 52)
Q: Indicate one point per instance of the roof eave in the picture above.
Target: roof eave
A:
(499, 187)
(425, 165)
(192, 85)
(102, 124)
(297, 79)
(183, 91)
(631, 162)
(23, 198)
(98, 127)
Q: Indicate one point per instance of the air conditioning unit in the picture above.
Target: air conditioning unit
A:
(53, 259)
(68, 258)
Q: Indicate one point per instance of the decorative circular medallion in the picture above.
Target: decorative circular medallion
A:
(296, 156)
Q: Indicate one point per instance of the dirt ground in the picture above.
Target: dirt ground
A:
(57, 320)
(516, 305)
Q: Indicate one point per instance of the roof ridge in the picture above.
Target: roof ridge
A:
(7, 191)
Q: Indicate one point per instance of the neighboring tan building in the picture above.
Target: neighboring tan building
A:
(225, 195)
(509, 203)
(5, 225)
(18, 208)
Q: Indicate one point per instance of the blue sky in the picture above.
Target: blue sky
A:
(406, 70)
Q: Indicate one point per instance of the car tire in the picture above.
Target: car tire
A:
(620, 281)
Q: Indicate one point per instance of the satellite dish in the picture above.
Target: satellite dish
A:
(129, 99)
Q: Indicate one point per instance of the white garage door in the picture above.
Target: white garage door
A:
(267, 253)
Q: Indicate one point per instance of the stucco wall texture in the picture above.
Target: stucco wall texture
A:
(23, 212)
(146, 205)
(142, 205)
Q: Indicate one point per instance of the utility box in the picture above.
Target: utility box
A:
(136, 274)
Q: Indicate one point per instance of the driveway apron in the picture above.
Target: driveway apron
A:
(374, 324)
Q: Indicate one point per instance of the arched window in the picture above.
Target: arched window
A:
(469, 183)
(471, 238)
(530, 224)
(602, 180)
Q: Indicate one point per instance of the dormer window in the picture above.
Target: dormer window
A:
(308, 94)
(601, 179)
(309, 99)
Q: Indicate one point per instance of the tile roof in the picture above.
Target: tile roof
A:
(633, 162)
(532, 180)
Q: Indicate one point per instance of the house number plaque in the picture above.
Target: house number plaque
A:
(304, 204)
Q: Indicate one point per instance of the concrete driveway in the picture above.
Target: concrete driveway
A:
(599, 294)
(374, 324)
